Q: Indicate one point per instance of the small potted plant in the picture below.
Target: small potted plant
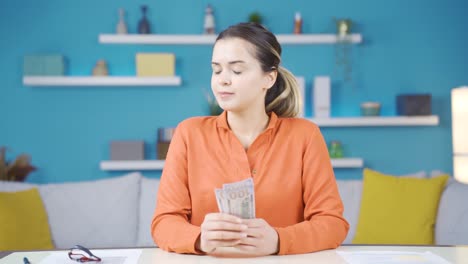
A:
(16, 170)
(343, 61)
(255, 17)
(343, 28)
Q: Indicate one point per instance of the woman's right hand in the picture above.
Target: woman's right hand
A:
(220, 230)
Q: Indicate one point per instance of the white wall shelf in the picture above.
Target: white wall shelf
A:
(132, 165)
(377, 121)
(100, 81)
(347, 163)
(210, 39)
(115, 165)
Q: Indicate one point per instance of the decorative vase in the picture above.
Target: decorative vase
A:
(143, 24)
(209, 25)
(100, 69)
(121, 26)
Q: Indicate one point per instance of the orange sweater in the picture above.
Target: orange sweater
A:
(295, 188)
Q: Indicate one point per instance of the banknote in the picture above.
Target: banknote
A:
(237, 199)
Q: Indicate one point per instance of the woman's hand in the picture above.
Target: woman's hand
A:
(261, 240)
(220, 230)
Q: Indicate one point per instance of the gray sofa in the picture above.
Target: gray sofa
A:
(117, 212)
(114, 212)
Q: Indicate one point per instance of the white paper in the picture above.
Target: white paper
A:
(391, 257)
(121, 256)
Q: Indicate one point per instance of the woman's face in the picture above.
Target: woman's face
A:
(238, 82)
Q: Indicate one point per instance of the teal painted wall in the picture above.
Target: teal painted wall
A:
(414, 46)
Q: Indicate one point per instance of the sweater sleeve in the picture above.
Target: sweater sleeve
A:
(170, 228)
(324, 226)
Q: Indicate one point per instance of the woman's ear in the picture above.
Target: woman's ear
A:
(270, 79)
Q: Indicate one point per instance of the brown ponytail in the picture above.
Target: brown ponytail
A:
(284, 98)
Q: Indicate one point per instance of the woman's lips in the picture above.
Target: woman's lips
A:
(224, 95)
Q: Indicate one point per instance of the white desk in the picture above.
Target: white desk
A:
(453, 254)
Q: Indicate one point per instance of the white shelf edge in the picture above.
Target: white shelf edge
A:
(210, 39)
(156, 39)
(132, 165)
(115, 165)
(316, 39)
(100, 81)
(431, 120)
(347, 163)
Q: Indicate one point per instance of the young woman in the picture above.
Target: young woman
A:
(298, 207)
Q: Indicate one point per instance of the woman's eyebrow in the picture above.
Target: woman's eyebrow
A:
(231, 62)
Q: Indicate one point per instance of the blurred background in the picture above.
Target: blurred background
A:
(408, 47)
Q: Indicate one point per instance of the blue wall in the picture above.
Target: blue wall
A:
(416, 46)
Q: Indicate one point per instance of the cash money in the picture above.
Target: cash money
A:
(237, 199)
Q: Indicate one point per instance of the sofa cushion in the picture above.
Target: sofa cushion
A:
(101, 213)
(350, 192)
(452, 218)
(23, 221)
(398, 210)
(148, 192)
(12, 186)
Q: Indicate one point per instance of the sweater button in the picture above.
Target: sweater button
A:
(254, 171)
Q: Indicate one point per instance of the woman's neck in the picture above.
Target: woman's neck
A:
(247, 126)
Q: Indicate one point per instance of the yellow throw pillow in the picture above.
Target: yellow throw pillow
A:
(23, 221)
(398, 210)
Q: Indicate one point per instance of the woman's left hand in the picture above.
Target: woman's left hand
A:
(261, 240)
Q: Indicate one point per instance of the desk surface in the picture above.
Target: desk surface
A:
(453, 254)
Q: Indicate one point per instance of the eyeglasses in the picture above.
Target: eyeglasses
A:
(82, 254)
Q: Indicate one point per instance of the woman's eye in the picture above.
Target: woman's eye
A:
(237, 72)
(216, 72)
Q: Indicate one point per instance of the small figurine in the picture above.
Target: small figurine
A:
(100, 69)
(143, 24)
(209, 26)
(297, 23)
(121, 26)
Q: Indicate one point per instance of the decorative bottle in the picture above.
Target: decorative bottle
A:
(297, 23)
(143, 24)
(209, 25)
(121, 26)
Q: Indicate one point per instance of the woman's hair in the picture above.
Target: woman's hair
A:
(283, 97)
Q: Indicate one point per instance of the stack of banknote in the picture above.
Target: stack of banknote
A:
(237, 199)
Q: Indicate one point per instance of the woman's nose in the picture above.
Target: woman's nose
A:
(224, 79)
